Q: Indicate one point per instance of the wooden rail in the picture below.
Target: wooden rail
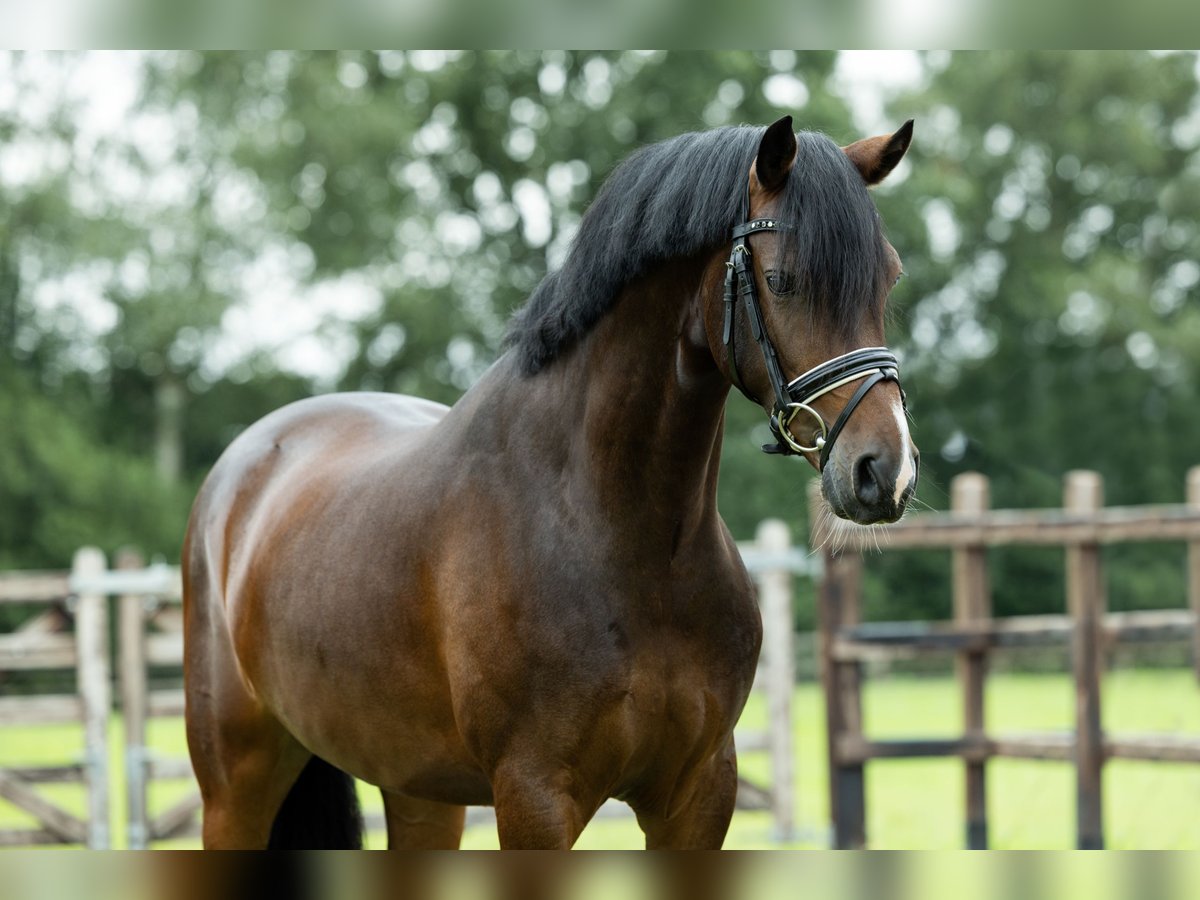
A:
(967, 530)
(1045, 527)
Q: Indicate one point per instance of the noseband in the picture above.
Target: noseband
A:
(874, 364)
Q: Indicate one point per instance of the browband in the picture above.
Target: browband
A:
(761, 225)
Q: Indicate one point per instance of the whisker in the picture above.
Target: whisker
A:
(919, 502)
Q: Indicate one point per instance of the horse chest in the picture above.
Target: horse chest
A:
(688, 679)
(680, 671)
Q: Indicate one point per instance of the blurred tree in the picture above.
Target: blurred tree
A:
(451, 183)
(1049, 320)
(60, 490)
(1046, 222)
(111, 254)
(100, 276)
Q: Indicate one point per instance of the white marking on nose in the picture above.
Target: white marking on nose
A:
(907, 471)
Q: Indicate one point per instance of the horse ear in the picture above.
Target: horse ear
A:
(776, 155)
(875, 157)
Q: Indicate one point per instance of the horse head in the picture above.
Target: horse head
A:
(799, 328)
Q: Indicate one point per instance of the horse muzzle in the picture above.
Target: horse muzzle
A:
(875, 487)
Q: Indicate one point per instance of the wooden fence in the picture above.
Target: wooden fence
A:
(1081, 527)
(149, 636)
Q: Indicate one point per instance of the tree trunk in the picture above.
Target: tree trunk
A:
(10, 286)
(169, 399)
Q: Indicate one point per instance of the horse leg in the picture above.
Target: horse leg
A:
(702, 820)
(414, 824)
(245, 760)
(538, 810)
(245, 781)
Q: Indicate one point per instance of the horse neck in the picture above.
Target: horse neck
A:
(645, 404)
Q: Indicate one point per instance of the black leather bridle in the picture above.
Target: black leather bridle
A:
(874, 364)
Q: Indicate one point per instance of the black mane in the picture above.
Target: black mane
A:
(683, 196)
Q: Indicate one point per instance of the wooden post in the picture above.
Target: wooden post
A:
(775, 595)
(839, 606)
(850, 777)
(91, 638)
(1083, 493)
(132, 657)
(1193, 568)
(969, 498)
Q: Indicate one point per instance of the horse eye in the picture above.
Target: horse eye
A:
(780, 283)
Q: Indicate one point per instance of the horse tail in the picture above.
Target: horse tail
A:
(321, 812)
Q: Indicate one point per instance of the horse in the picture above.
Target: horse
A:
(529, 599)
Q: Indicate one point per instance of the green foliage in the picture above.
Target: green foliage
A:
(1049, 319)
(1063, 306)
(60, 489)
(1045, 218)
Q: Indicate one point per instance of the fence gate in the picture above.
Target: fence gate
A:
(46, 641)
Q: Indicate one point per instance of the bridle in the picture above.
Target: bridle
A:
(874, 364)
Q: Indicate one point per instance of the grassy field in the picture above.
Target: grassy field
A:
(911, 803)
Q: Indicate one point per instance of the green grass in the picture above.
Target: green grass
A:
(910, 803)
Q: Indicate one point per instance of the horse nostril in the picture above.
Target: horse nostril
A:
(868, 486)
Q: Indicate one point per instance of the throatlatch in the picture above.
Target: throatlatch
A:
(875, 364)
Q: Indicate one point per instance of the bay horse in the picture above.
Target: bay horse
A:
(529, 599)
